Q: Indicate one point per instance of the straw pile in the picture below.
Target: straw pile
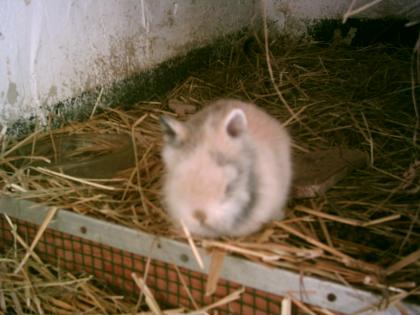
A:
(365, 231)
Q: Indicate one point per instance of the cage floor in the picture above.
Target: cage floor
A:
(364, 231)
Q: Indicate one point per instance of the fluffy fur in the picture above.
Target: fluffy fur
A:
(228, 169)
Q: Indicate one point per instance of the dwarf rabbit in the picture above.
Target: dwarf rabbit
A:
(228, 169)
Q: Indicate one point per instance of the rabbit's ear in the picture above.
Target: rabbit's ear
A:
(174, 131)
(236, 123)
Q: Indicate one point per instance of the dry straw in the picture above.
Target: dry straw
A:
(365, 231)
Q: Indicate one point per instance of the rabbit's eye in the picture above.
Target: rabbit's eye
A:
(220, 158)
(229, 188)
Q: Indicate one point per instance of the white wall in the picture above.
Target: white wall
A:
(294, 15)
(51, 50)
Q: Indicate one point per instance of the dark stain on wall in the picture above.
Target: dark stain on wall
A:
(145, 86)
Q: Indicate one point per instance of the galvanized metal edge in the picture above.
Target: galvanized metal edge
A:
(314, 291)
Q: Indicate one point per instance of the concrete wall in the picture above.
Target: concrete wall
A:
(294, 15)
(52, 50)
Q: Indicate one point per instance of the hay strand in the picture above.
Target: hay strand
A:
(286, 306)
(226, 300)
(150, 299)
(351, 12)
(217, 258)
(50, 215)
(79, 180)
(192, 245)
(408, 260)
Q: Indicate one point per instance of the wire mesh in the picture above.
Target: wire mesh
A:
(114, 267)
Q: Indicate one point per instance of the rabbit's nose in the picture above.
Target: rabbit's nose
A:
(200, 216)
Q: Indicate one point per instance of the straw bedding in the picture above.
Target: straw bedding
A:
(365, 231)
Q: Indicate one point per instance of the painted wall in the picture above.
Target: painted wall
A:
(294, 15)
(51, 50)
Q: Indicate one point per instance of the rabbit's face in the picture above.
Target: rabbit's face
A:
(209, 184)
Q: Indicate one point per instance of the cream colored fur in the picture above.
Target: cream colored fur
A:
(198, 177)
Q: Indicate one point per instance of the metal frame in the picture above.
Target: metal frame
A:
(249, 274)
